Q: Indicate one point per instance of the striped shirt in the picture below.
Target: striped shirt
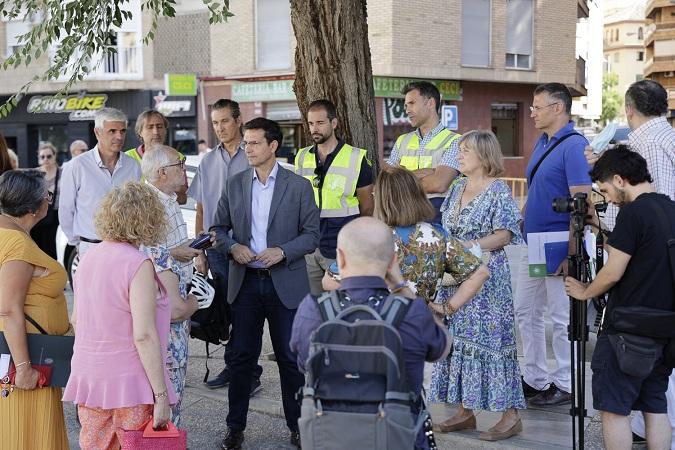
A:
(176, 231)
(449, 156)
(654, 140)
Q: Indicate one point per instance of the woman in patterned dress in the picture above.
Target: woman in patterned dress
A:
(482, 372)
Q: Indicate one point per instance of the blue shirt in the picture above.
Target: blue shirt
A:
(565, 166)
(212, 174)
(261, 200)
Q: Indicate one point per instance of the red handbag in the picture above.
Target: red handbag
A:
(147, 438)
(45, 374)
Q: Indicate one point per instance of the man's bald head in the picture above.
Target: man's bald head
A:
(366, 246)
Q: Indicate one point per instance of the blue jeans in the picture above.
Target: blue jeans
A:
(257, 301)
(219, 265)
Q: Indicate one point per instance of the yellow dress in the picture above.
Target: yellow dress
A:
(33, 420)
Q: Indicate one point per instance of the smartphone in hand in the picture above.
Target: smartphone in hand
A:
(203, 241)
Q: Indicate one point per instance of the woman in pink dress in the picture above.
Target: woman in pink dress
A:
(119, 378)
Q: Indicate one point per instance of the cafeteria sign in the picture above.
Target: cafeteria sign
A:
(391, 87)
(82, 106)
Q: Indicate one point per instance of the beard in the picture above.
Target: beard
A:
(621, 197)
(320, 138)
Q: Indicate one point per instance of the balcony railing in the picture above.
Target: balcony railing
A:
(125, 61)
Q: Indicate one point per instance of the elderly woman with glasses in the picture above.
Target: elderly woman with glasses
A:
(31, 291)
(44, 232)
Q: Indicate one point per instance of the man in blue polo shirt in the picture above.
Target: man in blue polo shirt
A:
(562, 172)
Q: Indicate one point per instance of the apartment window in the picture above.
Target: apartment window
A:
(505, 127)
(12, 32)
(476, 32)
(641, 35)
(519, 16)
(616, 57)
(640, 56)
(616, 34)
(273, 34)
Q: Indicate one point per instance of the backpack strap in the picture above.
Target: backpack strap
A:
(329, 305)
(394, 309)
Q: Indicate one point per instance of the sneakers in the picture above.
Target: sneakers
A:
(220, 380)
(528, 390)
(551, 396)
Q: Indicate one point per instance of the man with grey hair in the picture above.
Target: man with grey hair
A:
(77, 147)
(164, 170)
(87, 179)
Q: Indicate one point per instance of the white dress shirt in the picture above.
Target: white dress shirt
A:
(85, 180)
(261, 201)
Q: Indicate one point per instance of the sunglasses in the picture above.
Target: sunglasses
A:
(50, 156)
(49, 197)
(317, 182)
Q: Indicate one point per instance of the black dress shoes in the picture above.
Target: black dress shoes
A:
(233, 440)
(295, 438)
(528, 390)
(551, 396)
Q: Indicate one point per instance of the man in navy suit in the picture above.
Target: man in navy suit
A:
(274, 222)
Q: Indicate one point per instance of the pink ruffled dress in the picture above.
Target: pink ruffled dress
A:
(106, 370)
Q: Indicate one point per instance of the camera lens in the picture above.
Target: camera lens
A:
(563, 204)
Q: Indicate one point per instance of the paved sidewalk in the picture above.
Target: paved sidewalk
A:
(204, 412)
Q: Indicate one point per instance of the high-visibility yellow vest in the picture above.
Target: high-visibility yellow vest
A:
(412, 158)
(338, 192)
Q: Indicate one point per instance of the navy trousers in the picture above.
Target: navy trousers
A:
(257, 301)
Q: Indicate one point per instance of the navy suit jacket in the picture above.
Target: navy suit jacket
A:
(293, 226)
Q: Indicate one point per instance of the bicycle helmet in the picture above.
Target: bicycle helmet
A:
(202, 290)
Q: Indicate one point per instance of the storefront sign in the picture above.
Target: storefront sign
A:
(174, 107)
(264, 91)
(391, 87)
(394, 112)
(282, 90)
(79, 107)
(180, 84)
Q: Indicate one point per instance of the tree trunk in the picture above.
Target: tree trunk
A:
(332, 61)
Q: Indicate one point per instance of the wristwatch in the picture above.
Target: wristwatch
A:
(283, 253)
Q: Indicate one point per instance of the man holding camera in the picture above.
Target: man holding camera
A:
(557, 169)
(637, 274)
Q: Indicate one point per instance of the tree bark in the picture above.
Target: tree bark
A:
(332, 61)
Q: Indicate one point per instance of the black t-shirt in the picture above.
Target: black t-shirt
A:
(331, 226)
(647, 280)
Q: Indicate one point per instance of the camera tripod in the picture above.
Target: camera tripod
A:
(579, 268)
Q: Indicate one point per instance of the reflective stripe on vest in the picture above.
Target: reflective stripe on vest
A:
(338, 193)
(412, 158)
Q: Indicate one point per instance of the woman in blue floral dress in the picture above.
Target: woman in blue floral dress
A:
(482, 371)
(176, 282)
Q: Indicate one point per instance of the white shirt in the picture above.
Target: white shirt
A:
(261, 201)
(85, 180)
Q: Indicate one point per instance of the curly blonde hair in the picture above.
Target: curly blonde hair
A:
(131, 213)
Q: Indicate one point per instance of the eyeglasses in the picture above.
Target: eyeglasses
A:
(49, 197)
(50, 156)
(179, 163)
(538, 108)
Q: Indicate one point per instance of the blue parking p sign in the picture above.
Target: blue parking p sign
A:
(449, 117)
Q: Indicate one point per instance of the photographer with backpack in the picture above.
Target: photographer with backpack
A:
(354, 368)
